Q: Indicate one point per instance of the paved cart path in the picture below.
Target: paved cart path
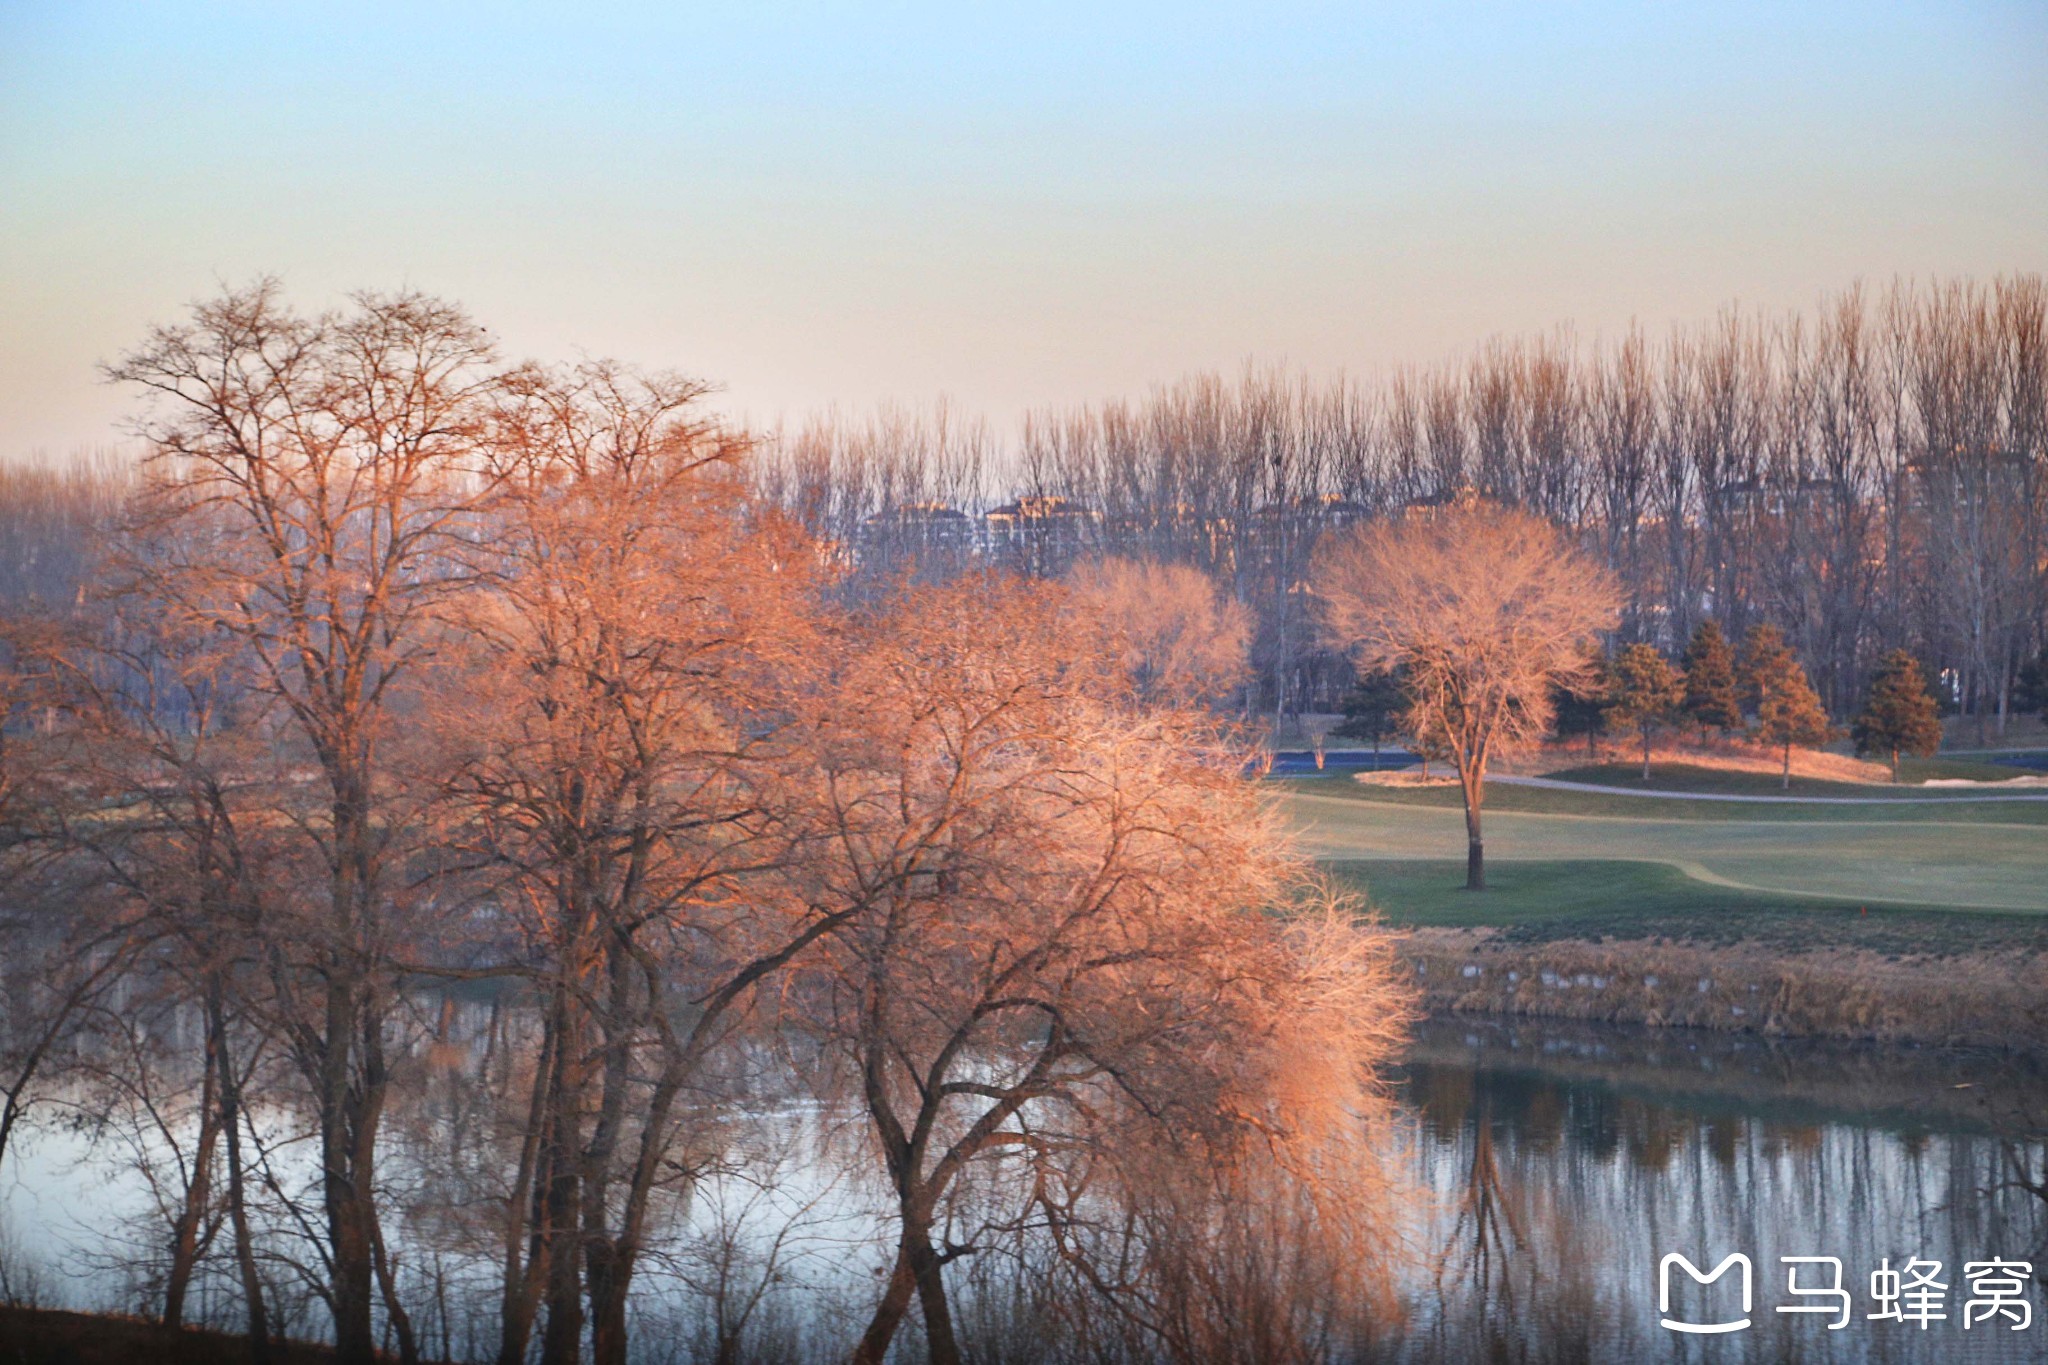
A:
(1935, 796)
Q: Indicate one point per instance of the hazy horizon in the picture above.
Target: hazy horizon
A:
(819, 210)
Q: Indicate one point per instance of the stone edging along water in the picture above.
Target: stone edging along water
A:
(1980, 999)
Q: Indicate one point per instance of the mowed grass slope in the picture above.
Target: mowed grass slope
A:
(1926, 857)
(1540, 902)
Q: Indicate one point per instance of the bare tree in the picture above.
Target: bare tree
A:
(333, 460)
(1253, 1231)
(1071, 933)
(1486, 610)
(1177, 638)
(612, 760)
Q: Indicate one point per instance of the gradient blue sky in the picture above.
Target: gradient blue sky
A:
(824, 204)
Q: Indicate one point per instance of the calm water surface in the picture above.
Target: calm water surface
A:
(1572, 1158)
(1560, 1163)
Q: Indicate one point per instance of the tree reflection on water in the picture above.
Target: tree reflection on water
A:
(1569, 1159)
(1553, 1166)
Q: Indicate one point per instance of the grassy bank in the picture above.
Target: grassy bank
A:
(1982, 999)
(1924, 921)
(1786, 1081)
(1599, 900)
(47, 1336)
(1644, 943)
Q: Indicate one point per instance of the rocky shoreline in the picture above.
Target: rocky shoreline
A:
(1978, 999)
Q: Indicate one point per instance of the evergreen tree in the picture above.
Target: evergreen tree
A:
(1789, 711)
(1373, 710)
(1644, 691)
(1711, 699)
(1764, 657)
(2030, 692)
(1581, 709)
(1900, 716)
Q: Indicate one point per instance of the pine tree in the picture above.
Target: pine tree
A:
(1900, 716)
(1373, 709)
(1580, 708)
(1789, 711)
(1711, 699)
(1645, 691)
(2030, 690)
(1764, 656)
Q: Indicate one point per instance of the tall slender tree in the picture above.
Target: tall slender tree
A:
(614, 747)
(332, 461)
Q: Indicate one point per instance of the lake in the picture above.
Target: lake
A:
(1558, 1164)
(1574, 1158)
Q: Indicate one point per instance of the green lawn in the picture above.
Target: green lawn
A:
(1913, 857)
(1581, 899)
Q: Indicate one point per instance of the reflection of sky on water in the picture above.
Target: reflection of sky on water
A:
(1565, 1160)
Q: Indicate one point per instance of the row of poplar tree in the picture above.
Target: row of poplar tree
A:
(1867, 475)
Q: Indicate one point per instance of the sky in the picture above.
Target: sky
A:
(839, 206)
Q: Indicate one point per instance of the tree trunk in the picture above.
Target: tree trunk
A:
(2005, 670)
(1786, 781)
(238, 1208)
(1475, 842)
(941, 1347)
(348, 1235)
(561, 1194)
(398, 1320)
(342, 1183)
(524, 1218)
(888, 1316)
(368, 1115)
(1895, 766)
(612, 1260)
(198, 1191)
(609, 1250)
(1646, 753)
(350, 1094)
